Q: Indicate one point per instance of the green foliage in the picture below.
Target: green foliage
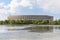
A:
(18, 22)
(12, 22)
(55, 22)
(6, 21)
(45, 22)
(38, 22)
(58, 22)
(1, 22)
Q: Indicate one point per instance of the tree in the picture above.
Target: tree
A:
(58, 21)
(6, 21)
(45, 21)
(12, 22)
(1, 22)
(55, 22)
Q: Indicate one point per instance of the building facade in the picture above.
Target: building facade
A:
(31, 17)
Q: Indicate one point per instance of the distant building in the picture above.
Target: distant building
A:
(31, 17)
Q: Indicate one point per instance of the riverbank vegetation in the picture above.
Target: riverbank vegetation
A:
(36, 22)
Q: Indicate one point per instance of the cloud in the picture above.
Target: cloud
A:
(13, 7)
(25, 3)
(3, 11)
(29, 7)
(17, 4)
(52, 6)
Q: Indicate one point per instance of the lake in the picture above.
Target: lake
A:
(14, 32)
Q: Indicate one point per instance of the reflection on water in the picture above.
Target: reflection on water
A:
(40, 29)
(3, 29)
(29, 32)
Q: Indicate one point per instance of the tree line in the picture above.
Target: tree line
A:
(39, 22)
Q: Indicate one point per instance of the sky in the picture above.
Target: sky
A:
(29, 7)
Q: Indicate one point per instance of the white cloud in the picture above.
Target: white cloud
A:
(25, 3)
(12, 7)
(3, 11)
(52, 6)
(16, 3)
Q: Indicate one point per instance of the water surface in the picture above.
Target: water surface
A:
(50, 34)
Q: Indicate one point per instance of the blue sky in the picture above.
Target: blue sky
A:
(5, 1)
(29, 7)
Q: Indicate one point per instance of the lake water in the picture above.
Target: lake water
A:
(6, 34)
